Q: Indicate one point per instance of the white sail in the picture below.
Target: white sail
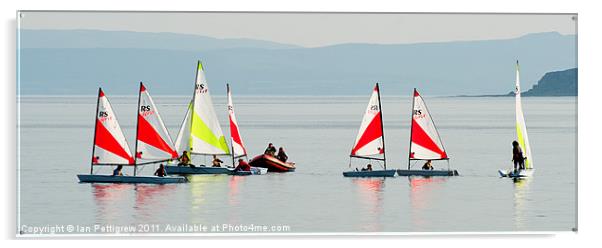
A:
(153, 139)
(205, 131)
(182, 142)
(238, 147)
(425, 141)
(369, 140)
(110, 145)
(521, 127)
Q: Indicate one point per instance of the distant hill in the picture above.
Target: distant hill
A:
(65, 63)
(557, 83)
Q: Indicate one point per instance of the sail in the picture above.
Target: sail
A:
(238, 148)
(369, 140)
(153, 139)
(425, 141)
(183, 140)
(206, 133)
(110, 146)
(521, 127)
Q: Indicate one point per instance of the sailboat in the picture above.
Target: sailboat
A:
(200, 133)
(425, 141)
(237, 145)
(521, 133)
(110, 148)
(370, 140)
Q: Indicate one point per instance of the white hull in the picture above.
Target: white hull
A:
(520, 174)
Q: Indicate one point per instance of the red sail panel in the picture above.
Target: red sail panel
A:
(105, 140)
(150, 136)
(372, 132)
(421, 138)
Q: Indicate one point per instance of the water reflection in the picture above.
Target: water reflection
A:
(152, 200)
(421, 199)
(521, 200)
(370, 192)
(201, 186)
(111, 201)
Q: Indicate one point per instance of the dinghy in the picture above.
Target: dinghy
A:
(521, 133)
(237, 145)
(370, 140)
(272, 164)
(200, 133)
(110, 148)
(425, 141)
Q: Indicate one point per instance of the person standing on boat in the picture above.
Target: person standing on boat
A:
(271, 150)
(184, 159)
(517, 156)
(428, 165)
(161, 171)
(216, 162)
(117, 171)
(282, 155)
(242, 166)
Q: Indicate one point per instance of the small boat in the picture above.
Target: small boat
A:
(253, 171)
(110, 148)
(200, 133)
(370, 140)
(425, 141)
(522, 136)
(272, 164)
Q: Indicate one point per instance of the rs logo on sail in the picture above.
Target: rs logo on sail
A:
(200, 88)
(146, 110)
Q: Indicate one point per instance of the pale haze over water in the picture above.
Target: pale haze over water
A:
(318, 132)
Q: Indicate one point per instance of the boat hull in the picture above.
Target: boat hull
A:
(130, 179)
(428, 173)
(186, 170)
(376, 173)
(519, 174)
(272, 164)
(254, 171)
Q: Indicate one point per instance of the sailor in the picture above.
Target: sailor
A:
(184, 159)
(216, 162)
(271, 150)
(161, 171)
(517, 156)
(242, 166)
(282, 155)
(368, 168)
(117, 171)
(428, 165)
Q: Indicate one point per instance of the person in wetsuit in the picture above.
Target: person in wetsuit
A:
(271, 150)
(428, 165)
(161, 171)
(517, 156)
(242, 166)
(282, 155)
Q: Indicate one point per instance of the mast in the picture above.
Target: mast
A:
(411, 127)
(228, 108)
(382, 130)
(94, 138)
(196, 77)
(137, 123)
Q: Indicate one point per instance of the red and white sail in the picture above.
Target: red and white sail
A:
(153, 140)
(425, 140)
(369, 140)
(110, 146)
(238, 147)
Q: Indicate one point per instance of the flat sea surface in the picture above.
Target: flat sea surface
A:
(318, 132)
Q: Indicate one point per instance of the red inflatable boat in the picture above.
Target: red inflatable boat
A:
(272, 163)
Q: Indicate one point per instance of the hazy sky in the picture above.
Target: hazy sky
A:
(310, 29)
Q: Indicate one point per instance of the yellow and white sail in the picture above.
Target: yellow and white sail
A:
(521, 127)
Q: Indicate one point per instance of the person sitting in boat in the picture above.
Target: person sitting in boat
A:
(242, 166)
(517, 156)
(368, 168)
(161, 171)
(282, 155)
(428, 165)
(216, 162)
(184, 159)
(117, 171)
(271, 150)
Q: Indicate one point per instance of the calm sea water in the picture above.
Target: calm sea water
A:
(56, 138)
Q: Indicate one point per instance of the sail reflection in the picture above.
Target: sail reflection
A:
(371, 199)
(421, 199)
(111, 199)
(521, 199)
(152, 200)
(200, 186)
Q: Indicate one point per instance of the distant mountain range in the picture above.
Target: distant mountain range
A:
(557, 83)
(79, 61)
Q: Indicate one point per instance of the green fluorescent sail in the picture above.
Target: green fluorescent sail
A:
(201, 131)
